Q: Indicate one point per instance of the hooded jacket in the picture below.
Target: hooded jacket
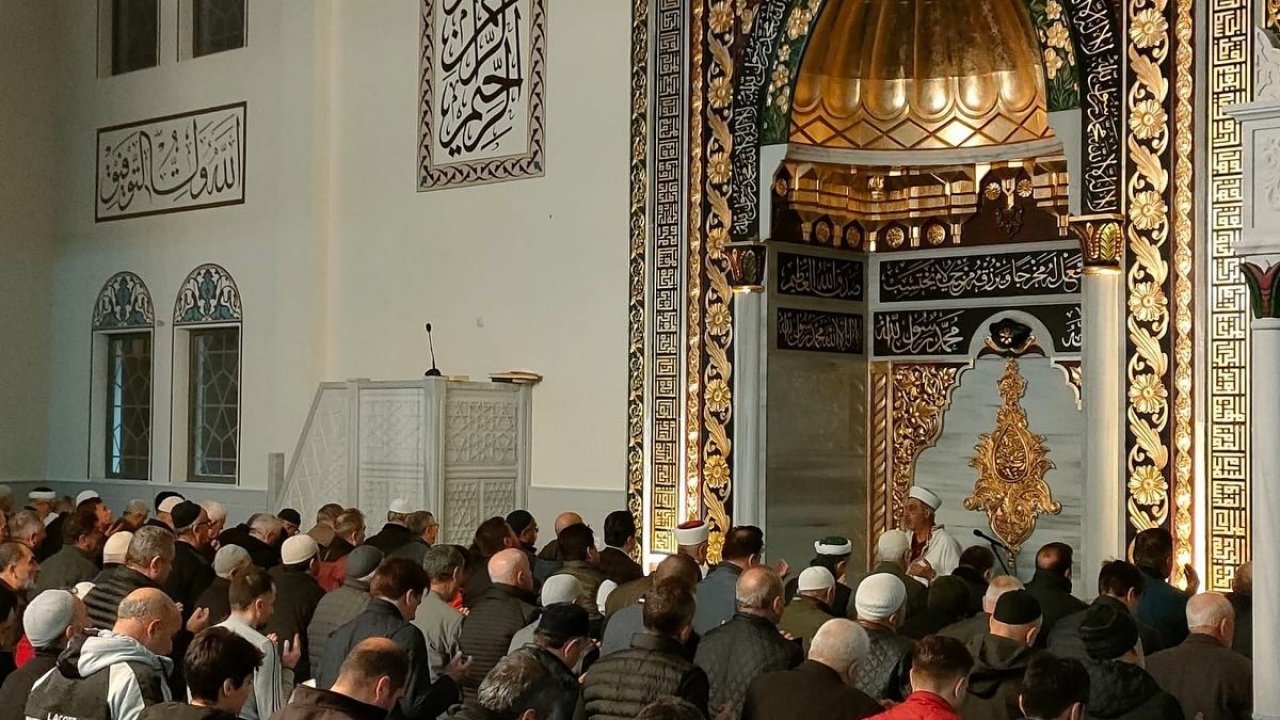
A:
(101, 677)
(996, 679)
(921, 705)
(1123, 691)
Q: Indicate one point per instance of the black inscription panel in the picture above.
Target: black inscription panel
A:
(820, 277)
(817, 331)
(949, 332)
(1050, 272)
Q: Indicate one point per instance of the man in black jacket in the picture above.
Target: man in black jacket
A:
(1119, 687)
(297, 595)
(395, 593)
(1001, 657)
(656, 665)
(370, 683)
(147, 564)
(976, 568)
(1120, 584)
(259, 536)
(52, 620)
(1163, 606)
(423, 529)
(560, 643)
(228, 562)
(619, 539)
(748, 644)
(820, 688)
(1051, 587)
(1054, 689)
(395, 534)
(76, 562)
(191, 573)
(506, 607)
(1209, 679)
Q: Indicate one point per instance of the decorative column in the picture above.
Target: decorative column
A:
(1102, 369)
(747, 262)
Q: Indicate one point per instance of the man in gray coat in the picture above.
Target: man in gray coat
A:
(440, 622)
(340, 606)
(1210, 680)
(743, 548)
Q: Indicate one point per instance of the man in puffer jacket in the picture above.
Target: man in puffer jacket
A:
(113, 675)
(506, 606)
(1119, 687)
(656, 665)
(1001, 657)
(749, 644)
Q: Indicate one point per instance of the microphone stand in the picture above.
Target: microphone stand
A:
(996, 548)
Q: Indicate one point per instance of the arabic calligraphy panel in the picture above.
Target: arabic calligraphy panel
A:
(481, 94)
(1051, 272)
(817, 331)
(171, 164)
(820, 277)
(948, 332)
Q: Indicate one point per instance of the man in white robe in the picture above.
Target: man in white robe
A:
(934, 552)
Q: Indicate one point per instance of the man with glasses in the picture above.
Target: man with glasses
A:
(424, 527)
(192, 574)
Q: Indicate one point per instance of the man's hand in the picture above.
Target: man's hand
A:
(783, 569)
(199, 620)
(1193, 579)
(922, 569)
(458, 668)
(291, 652)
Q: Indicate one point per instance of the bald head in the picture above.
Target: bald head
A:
(680, 568)
(759, 592)
(511, 567)
(375, 673)
(1242, 583)
(998, 586)
(565, 519)
(1211, 613)
(840, 644)
(151, 618)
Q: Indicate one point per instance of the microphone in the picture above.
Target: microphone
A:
(988, 538)
(435, 371)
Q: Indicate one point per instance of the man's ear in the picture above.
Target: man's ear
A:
(154, 627)
(529, 714)
(1076, 712)
(1032, 634)
(382, 688)
(778, 605)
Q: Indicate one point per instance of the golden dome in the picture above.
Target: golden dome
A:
(920, 75)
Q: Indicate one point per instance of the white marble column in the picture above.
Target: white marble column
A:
(1264, 467)
(1102, 370)
(750, 332)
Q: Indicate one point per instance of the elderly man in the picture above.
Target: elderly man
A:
(52, 620)
(396, 533)
(556, 590)
(113, 675)
(28, 529)
(748, 644)
(810, 609)
(76, 562)
(562, 640)
(832, 552)
(1119, 685)
(893, 549)
(879, 601)
(977, 626)
(824, 681)
(934, 551)
(166, 501)
(133, 516)
(1001, 658)
(1210, 681)
(147, 564)
(229, 562)
(506, 606)
(191, 573)
(18, 573)
(339, 607)
(520, 686)
(424, 528)
(297, 595)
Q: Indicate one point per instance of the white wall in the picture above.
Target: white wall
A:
(339, 260)
(28, 174)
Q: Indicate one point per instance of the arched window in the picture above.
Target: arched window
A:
(123, 328)
(206, 369)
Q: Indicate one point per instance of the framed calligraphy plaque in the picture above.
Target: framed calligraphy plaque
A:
(482, 79)
(948, 332)
(170, 164)
(819, 277)
(817, 331)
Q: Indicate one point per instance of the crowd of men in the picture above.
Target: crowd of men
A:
(178, 617)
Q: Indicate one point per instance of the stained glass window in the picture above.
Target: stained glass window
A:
(135, 35)
(214, 421)
(129, 405)
(217, 25)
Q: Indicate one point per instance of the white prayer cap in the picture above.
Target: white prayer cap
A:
(42, 493)
(6, 491)
(925, 496)
(879, 596)
(694, 532)
(117, 547)
(168, 504)
(216, 510)
(227, 559)
(47, 617)
(892, 545)
(560, 588)
(298, 549)
(81, 590)
(833, 545)
(87, 495)
(400, 506)
(815, 578)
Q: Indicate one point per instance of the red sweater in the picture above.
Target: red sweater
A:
(920, 705)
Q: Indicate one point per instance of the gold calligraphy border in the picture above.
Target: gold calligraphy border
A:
(638, 225)
(1227, 370)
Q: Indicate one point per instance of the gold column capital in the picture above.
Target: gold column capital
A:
(1101, 238)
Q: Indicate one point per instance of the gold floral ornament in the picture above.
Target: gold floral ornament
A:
(1148, 394)
(719, 396)
(1149, 28)
(716, 472)
(1148, 119)
(721, 92)
(1147, 302)
(719, 320)
(1148, 210)
(1011, 464)
(721, 17)
(1148, 486)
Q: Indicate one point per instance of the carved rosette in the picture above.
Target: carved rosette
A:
(920, 397)
(1101, 239)
(1011, 464)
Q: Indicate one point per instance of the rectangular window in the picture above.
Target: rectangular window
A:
(135, 35)
(214, 407)
(129, 406)
(217, 25)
